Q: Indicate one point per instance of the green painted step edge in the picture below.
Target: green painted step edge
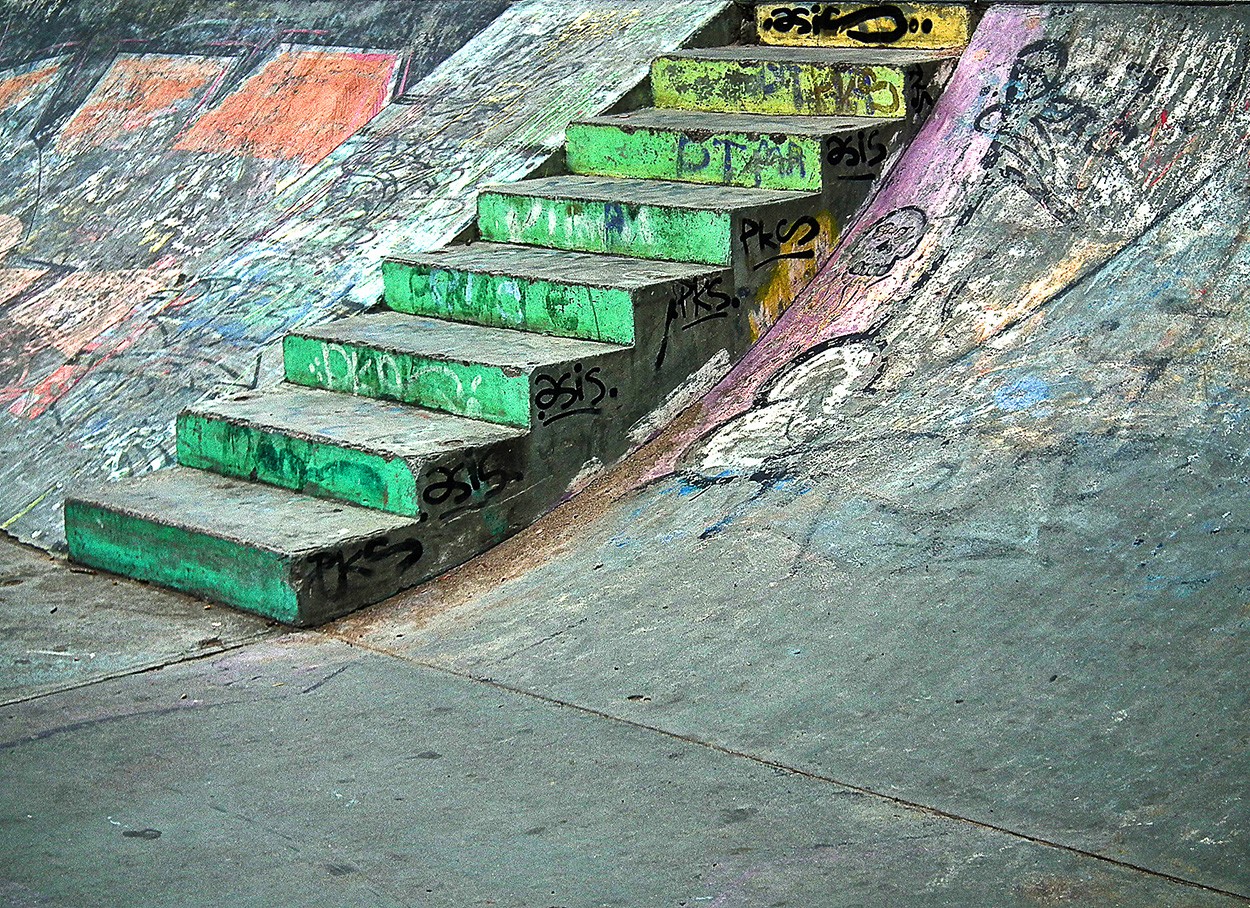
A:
(503, 301)
(228, 572)
(466, 389)
(803, 89)
(314, 468)
(724, 159)
(642, 231)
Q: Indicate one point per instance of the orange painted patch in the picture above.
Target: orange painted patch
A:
(16, 89)
(137, 91)
(302, 105)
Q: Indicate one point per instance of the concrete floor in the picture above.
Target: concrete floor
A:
(203, 758)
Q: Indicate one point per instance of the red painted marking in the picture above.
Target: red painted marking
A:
(138, 91)
(16, 89)
(302, 105)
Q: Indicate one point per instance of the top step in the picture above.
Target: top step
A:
(794, 81)
(904, 25)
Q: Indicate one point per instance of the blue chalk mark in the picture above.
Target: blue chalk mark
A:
(1023, 393)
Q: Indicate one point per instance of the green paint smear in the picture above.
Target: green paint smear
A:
(322, 470)
(228, 572)
(643, 231)
(803, 89)
(725, 159)
(466, 389)
(499, 301)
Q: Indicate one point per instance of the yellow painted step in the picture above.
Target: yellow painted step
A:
(912, 25)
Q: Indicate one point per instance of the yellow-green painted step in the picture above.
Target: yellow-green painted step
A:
(901, 25)
(788, 81)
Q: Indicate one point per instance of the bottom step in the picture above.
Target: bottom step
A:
(297, 559)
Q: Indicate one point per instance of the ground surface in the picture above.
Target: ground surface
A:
(320, 768)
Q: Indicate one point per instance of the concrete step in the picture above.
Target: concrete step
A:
(678, 222)
(793, 81)
(803, 154)
(549, 291)
(494, 374)
(906, 25)
(296, 559)
(391, 457)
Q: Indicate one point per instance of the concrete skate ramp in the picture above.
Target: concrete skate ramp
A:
(180, 186)
(970, 527)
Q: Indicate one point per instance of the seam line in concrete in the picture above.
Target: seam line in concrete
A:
(793, 770)
(141, 669)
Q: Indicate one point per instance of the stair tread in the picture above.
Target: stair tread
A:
(565, 267)
(259, 516)
(462, 342)
(630, 191)
(702, 121)
(861, 56)
(361, 423)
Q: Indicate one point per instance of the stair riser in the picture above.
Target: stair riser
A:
(492, 393)
(868, 90)
(904, 25)
(217, 569)
(477, 391)
(642, 231)
(500, 301)
(439, 488)
(725, 159)
(302, 591)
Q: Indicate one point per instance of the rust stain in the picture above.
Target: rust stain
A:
(300, 106)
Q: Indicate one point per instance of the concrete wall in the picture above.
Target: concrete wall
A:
(181, 186)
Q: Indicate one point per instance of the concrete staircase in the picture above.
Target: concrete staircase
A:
(505, 371)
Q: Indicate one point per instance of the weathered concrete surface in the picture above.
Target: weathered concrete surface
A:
(970, 526)
(63, 626)
(306, 772)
